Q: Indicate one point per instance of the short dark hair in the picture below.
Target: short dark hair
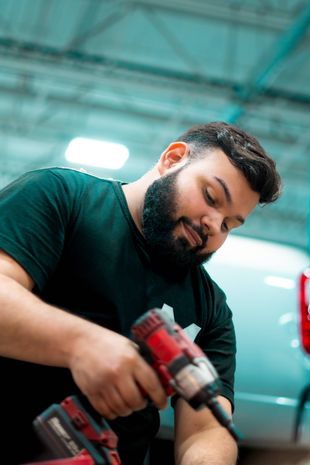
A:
(244, 152)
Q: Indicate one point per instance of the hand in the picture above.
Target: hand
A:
(110, 371)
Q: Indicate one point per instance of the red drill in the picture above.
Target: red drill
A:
(181, 365)
(74, 430)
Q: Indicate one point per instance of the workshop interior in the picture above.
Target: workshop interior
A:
(103, 86)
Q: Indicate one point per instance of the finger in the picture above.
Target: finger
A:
(147, 378)
(101, 406)
(117, 402)
(132, 395)
(112, 405)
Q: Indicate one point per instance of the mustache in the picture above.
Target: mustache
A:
(198, 230)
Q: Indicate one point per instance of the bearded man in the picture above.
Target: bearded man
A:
(82, 258)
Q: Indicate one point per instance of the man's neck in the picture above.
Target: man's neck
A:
(135, 192)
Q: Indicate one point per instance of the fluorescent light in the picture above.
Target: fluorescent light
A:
(278, 281)
(99, 153)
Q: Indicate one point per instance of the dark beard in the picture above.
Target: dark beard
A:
(158, 225)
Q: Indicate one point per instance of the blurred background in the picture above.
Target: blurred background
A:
(141, 72)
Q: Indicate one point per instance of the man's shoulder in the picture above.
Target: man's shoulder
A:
(67, 177)
(67, 173)
(210, 285)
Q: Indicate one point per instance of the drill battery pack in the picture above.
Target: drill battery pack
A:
(69, 430)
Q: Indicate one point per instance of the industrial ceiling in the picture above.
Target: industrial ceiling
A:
(141, 72)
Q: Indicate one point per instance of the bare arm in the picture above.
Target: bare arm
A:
(199, 438)
(105, 365)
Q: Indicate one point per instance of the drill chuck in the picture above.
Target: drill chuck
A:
(194, 383)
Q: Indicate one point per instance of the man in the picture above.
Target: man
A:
(83, 257)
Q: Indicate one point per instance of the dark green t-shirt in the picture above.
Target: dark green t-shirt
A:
(74, 235)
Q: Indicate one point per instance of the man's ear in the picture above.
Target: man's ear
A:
(175, 154)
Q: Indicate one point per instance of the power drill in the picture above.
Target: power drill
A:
(75, 430)
(181, 365)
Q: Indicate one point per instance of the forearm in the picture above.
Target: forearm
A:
(34, 331)
(105, 365)
(211, 447)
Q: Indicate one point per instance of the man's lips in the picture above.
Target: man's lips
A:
(192, 236)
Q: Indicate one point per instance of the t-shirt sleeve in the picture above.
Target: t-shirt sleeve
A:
(217, 335)
(35, 211)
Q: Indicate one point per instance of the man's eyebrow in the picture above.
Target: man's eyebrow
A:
(225, 189)
(228, 196)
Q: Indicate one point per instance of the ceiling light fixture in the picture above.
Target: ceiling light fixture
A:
(98, 153)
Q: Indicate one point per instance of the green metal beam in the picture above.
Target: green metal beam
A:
(286, 44)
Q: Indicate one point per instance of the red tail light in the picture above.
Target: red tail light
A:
(304, 298)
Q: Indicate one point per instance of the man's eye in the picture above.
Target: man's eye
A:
(225, 226)
(210, 199)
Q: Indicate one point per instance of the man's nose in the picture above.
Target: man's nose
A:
(212, 224)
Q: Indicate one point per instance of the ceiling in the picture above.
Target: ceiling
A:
(141, 72)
